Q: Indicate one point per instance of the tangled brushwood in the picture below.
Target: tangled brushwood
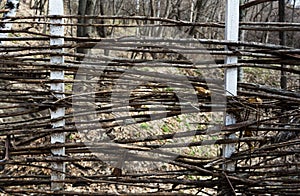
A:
(144, 105)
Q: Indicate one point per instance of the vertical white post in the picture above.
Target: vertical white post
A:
(231, 75)
(56, 8)
(192, 11)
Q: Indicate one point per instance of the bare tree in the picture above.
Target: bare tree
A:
(90, 7)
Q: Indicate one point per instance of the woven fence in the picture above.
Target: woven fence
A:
(143, 109)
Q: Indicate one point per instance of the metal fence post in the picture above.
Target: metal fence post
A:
(56, 8)
(231, 75)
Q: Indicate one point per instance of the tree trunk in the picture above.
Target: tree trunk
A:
(100, 30)
(88, 7)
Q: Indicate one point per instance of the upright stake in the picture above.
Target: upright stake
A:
(231, 75)
(56, 8)
(282, 38)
